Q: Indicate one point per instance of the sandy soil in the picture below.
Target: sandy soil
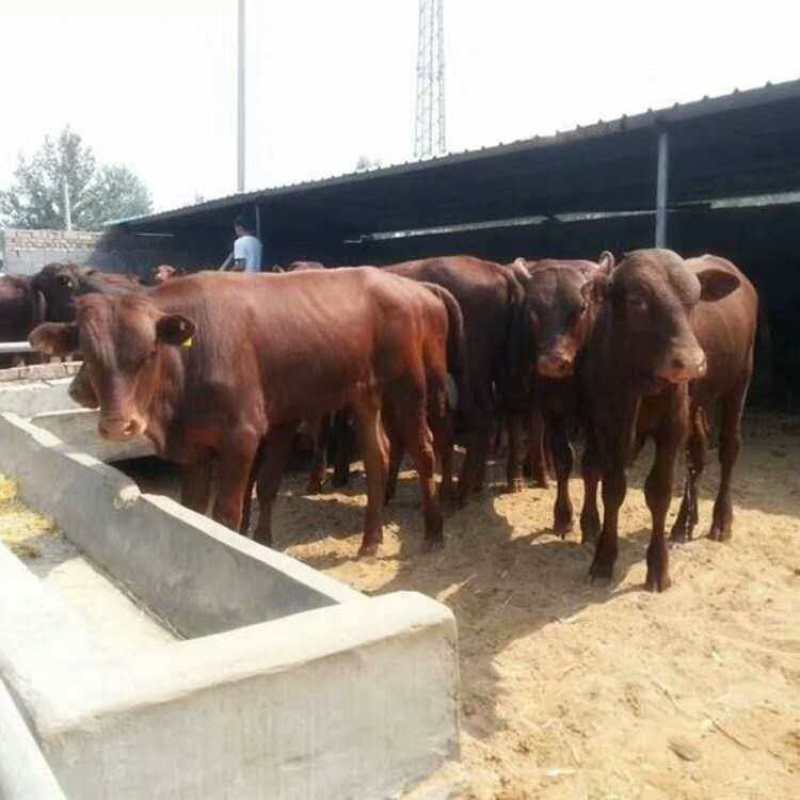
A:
(577, 691)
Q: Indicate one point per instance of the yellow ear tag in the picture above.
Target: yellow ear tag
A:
(188, 342)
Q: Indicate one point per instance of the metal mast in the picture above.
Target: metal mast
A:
(429, 121)
(240, 96)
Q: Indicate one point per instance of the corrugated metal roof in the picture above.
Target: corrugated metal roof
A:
(679, 112)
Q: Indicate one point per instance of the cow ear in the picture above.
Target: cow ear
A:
(596, 288)
(55, 338)
(606, 261)
(716, 284)
(174, 329)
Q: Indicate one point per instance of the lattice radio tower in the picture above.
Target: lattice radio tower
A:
(429, 121)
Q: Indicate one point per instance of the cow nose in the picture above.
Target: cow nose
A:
(554, 365)
(690, 367)
(117, 429)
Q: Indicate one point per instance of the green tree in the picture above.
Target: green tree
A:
(65, 170)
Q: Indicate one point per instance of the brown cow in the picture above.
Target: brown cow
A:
(726, 331)
(562, 302)
(266, 351)
(22, 307)
(641, 355)
(490, 296)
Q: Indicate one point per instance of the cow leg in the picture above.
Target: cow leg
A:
(413, 428)
(277, 447)
(615, 486)
(235, 465)
(247, 507)
(473, 469)
(443, 442)
(564, 459)
(342, 436)
(396, 453)
(319, 465)
(670, 438)
(196, 485)
(515, 480)
(696, 450)
(590, 469)
(730, 443)
(536, 449)
(376, 461)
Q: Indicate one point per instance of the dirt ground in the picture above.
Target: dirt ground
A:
(599, 692)
(571, 690)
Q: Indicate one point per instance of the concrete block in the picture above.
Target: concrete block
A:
(294, 686)
(38, 397)
(24, 773)
(78, 428)
(187, 568)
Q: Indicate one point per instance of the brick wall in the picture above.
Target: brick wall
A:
(26, 252)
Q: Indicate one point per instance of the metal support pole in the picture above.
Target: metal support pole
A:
(67, 206)
(257, 211)
(662, 189)
(240, 138)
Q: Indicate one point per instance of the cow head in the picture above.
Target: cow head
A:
(653, 295)
(164, 272)
(125, 340)
(59, 285)
(562, 299)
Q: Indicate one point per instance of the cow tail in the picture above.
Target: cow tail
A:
(456, 344)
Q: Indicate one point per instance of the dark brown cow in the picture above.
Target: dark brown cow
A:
(726, 331)
(266, 351)
(61, 284)
(22, 307)
(640, 358)
(562, 299)
(490, 297)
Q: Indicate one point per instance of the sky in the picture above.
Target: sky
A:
(152, 83)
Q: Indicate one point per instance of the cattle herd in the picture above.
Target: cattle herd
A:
(220, 369)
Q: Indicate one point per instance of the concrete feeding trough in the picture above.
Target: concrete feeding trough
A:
(263, 678)
(39, 393)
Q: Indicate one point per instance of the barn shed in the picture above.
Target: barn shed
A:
(717, 175)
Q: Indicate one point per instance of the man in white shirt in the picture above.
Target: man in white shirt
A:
(246, 248)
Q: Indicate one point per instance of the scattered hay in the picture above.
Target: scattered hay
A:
(19, 526)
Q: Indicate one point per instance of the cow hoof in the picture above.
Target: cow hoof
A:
(589, 533)
(601, 571)
(679, 536)
(314, 487)
(719, 534)
(368, 549)
(657, 583)
(516, 486)
(562, 528)
(431, 545)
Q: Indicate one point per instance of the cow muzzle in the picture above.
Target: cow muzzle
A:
(684, 367)
(119, 429)
(555, 365)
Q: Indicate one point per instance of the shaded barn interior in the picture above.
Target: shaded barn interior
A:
(726, 170)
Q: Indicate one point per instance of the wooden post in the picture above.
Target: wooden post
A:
(662, 189)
